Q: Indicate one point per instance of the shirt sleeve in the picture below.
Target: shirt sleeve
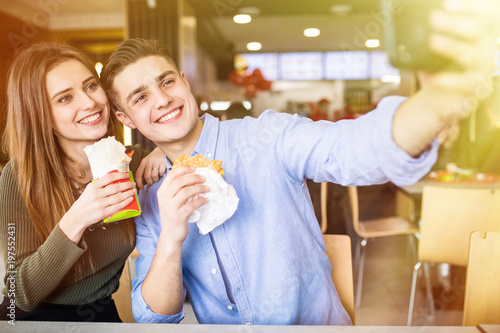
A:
(146, 246)
(347, 152)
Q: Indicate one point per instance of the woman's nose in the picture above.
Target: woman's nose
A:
(87, 102)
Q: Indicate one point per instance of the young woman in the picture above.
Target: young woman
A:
(61, 262)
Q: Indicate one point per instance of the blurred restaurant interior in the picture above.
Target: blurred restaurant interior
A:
(321, 59)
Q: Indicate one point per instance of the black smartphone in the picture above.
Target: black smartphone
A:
(407, 35)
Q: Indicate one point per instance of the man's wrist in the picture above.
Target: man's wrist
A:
(168, 247)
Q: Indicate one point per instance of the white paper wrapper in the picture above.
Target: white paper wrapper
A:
(107, 155)
(222, 202)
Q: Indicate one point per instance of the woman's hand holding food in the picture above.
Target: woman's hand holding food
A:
(100, 199)
(174, 202)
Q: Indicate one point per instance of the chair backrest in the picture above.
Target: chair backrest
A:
(354, 203)
(338, 250)
(122, 297)
(324, 207)
(482, 288)
(449, 216)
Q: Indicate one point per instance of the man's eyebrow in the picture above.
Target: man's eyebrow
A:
(135, 91)
(163, 75)
(144, 87)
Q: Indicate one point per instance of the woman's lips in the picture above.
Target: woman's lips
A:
(94, 119)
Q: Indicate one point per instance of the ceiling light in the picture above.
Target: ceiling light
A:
(254, 46)
(371, 43)
(204, 106)
(219, 105)
(249, 10)
(311, 32)
(247, 104)
(242, 18)
(341, 9)
(391, 79)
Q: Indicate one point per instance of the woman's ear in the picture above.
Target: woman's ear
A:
(125, 119)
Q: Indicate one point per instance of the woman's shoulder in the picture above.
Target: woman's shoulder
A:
(7, 176)
(10, 195)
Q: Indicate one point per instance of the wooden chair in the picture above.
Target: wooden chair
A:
(368, 229)
(482, 288)
(324, 207)
(338, 250)
(449, 215)
(122, 297)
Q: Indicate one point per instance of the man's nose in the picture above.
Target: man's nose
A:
(162, 99)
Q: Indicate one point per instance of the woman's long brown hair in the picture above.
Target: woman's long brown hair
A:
(46, 174)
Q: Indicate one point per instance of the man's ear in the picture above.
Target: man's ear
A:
(183, 76)
(124, 119)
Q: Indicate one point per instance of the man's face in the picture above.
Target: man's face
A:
(157, 100)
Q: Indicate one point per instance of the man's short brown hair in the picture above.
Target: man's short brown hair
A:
(127, 53)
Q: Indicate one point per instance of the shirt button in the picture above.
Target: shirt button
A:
(209, 155)
(214, 271)
(229, 307)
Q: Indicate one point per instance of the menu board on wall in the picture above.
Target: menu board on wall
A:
(380, 66)
(353, 65)
(266, 62)
(304, 66)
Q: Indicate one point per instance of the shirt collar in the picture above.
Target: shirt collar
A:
(207, 142)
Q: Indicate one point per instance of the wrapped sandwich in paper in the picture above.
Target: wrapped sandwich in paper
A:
(107, 156)
(222, 198)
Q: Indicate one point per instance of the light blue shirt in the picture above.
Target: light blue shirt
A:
(270, 254)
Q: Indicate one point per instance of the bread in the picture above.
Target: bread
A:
(198, 161)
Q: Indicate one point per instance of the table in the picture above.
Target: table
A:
(42, 327)
(489, 328)
(409, 198)
(416, 189)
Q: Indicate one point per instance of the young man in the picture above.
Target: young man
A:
(267, 264)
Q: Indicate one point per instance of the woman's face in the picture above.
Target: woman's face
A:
(79, 105)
